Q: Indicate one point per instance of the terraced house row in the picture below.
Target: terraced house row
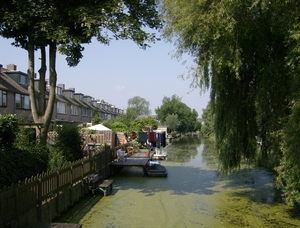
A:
(70, 106)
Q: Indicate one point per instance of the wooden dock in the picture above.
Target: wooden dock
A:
(139, 162)
(130, 162)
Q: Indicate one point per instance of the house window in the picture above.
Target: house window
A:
(3, 98)
(22, 80)
(84, 112)
(22, 101)
(59, 91)
(61, 107)
(74, 110)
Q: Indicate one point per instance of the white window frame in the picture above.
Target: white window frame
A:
(74, 110)
(61, 107)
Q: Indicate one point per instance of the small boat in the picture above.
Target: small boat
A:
(156, 171)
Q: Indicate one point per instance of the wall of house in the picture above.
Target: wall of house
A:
(87, 101)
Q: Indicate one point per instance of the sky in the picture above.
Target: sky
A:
(119, 71)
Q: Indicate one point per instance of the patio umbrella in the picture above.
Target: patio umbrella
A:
(99, 127)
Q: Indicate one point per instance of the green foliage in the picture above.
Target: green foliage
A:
(20, 156)
(172, 121)
(139, 105)
(69, 142)
(66, 26)
(8, 130)
(136, 125)
(174, 106)
(208, 118)
(288, 169)
(129, 116)
(135, 144)
(143, 123)
(56, 158)
(119, 127)
(244, 72)
(26, 138)
(17, 164)
(108, 123)
(252, 76)
(197, 126)
(54, 125)
(96, 118)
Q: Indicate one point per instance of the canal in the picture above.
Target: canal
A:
(193, 195)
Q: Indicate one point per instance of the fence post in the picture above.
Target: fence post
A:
(17, 201)
(39, 201)
(57, 195)
(71, 185)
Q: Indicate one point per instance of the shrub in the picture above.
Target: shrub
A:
(8, 129)
(69, 141)
(56, 158)
(17, 164)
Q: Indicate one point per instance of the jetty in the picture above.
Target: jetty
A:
(140, 159)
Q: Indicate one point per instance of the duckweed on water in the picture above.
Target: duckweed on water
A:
(193, 195)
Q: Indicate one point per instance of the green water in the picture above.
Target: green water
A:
(193, 195)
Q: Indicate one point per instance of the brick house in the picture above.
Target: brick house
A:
(69, 105)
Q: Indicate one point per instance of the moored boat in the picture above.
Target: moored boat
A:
(156, 171)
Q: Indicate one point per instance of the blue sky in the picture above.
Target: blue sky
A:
(118, 72)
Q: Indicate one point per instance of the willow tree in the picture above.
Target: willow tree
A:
(140, 105)
(288, 179)
(64, 26)
(240, 53)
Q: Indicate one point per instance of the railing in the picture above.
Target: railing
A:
(44, 197)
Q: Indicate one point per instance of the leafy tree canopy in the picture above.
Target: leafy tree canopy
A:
(144, 123)
(208, 118)
(127, 117)
(119, 127)
(174, 106)
(66, 25)
(140, 105)
(172, 121)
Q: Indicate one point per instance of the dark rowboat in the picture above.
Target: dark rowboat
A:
(157, 171)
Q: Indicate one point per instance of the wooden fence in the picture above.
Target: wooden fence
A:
(44, 197)
(101, 138)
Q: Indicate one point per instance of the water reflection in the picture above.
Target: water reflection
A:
(183, 149)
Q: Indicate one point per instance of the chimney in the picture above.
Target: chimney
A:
(11, 67)
(61, 86)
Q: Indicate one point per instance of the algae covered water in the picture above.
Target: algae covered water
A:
(193, 195)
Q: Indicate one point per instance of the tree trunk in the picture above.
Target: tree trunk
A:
(42, 82)
(43, 114)
(52, 86)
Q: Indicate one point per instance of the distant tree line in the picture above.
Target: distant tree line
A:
(173, 113)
